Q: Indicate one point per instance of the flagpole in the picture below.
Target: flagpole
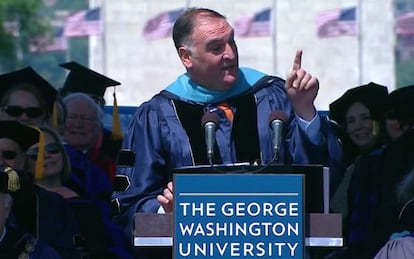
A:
(360, 43)
(274, 35)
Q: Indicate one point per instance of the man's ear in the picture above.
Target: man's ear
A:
(185, 56)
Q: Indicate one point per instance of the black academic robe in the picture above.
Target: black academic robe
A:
(46, 216)
(17, 243)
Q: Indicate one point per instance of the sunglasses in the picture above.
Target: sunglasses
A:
(8, 154)
(17, 111)
(51, 148)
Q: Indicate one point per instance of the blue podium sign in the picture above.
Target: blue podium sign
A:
(238, 216)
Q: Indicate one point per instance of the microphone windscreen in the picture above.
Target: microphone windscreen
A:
(210, 117)
(277, 115)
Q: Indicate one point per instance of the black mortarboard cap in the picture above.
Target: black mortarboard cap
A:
(400, 103)
(29, 76)
(371, 95)
(84, 80)
(25, 136)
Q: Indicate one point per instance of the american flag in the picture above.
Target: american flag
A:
(338, 22)
(83, 23)
(43, 44)
(405, 24)
(258, 25)
(160, 26)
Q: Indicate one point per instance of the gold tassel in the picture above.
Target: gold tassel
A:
(40, 157)
(13, 183)
(117, 133)
(55, 115)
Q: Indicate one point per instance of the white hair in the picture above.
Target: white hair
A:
(88, 100)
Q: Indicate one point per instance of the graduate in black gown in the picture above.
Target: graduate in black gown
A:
(42, 213)
(101, 236)
(14, 242)
(84, 80)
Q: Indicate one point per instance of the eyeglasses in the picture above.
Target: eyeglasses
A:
(51, 148)
(84, 118)
(17, 111)
(8, 154)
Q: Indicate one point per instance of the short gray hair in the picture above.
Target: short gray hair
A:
(88, 100)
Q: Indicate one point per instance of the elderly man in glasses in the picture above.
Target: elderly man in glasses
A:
(26, 97)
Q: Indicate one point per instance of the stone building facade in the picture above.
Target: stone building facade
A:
(145, 67)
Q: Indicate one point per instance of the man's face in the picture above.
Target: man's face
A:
(10, 154)
(82, 125)
(213, 61)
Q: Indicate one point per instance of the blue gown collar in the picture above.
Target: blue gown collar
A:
(189, 90)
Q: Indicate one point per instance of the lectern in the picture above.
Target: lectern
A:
(259, 202)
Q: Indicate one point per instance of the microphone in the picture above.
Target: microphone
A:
(276, 122)
(209, 122)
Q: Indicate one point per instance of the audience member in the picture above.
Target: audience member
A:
(26, 97)
(91, 172)
(401, 244)
(398, 117)
(43, 214)
(374, 205)
(103, 238)
(359, 113)
(84, 80)
(83, 129)
(395, 163)
(15, 243)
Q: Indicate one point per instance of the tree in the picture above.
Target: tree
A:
(22, 21)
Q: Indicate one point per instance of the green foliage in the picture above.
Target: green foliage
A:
(35, 18)
(405, 73)
(25, 23)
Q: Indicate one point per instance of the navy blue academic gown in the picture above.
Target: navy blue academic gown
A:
(166, 133)
(46, 216)
(88, 180)
(17, 243)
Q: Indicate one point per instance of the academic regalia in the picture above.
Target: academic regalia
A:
(88, 180)
(401, 248)
(101, 237)
(84, 80)
(102, 160)
(43, 214)
(47, 217)
(396, 163)
(17, 243)
(14, 242)
(166, 133)
(29, 76)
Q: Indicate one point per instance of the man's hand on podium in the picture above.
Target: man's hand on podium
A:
(167, 198)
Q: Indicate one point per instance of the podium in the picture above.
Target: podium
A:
(318, 227)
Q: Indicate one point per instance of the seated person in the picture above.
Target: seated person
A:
(44, 214)
(101, 235)
(84, 80)
(26, 97)
(15, 243)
